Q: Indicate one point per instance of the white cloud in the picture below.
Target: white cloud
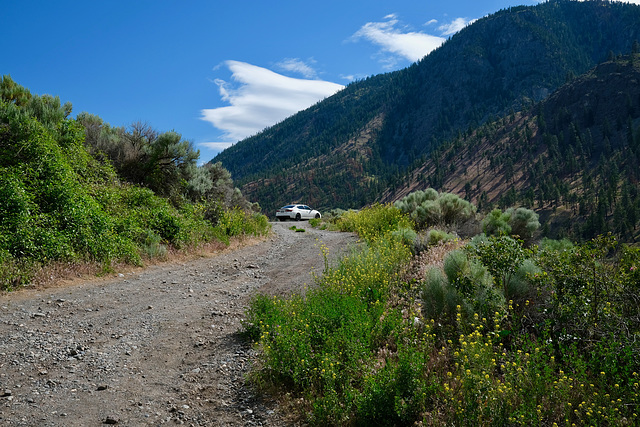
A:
(259, 98)
(398, 43)
(455, 26)
(395, 43)
(298, 66)
(218, 146)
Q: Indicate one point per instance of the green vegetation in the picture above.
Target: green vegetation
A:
(62, 202)
(429, 208)
(521, 223)
(373, 222)
(501, 334)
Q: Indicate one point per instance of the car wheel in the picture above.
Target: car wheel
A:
(298, 217)
(317, 216)
(282, 219)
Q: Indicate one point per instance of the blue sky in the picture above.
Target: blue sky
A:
(216, 71)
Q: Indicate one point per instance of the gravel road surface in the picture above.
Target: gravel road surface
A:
(158, 346)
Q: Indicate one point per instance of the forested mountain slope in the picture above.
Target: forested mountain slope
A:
(346, 150)
(574, 157)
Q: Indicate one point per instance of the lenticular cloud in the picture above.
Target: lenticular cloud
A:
(259, 98)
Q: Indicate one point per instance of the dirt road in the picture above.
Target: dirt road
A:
(160, 346)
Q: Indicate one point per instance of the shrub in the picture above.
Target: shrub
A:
(315, 222)
(496, 223)
(524, 223)
(405, 235)
(455, 209)
(167, 225)
(431, 238)
(435, 237)
(502, 255)
(456, 264)
(595, 294)
(439, 299)
(152, 246)
(519, 287)
(521, 223)
(473, 282)
(428, 208)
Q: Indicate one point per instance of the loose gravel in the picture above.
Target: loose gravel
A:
(159, 346)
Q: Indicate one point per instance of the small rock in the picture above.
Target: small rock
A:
(111, 420)
(102, 387)
(6, 393)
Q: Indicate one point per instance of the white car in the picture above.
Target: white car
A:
(297, 212)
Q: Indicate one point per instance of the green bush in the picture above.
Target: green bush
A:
(439, 298)
(435, 237)
(405, 235)
(524, 223)
(496, 223)
(429, 208)
(502, 255)
(61, 204)
(521, 223)
(473, 282)
(151, 245)
(520, 286)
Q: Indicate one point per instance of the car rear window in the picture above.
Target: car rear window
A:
(287, 207)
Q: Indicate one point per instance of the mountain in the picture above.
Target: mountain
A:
(574, 157)
(347, 150)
